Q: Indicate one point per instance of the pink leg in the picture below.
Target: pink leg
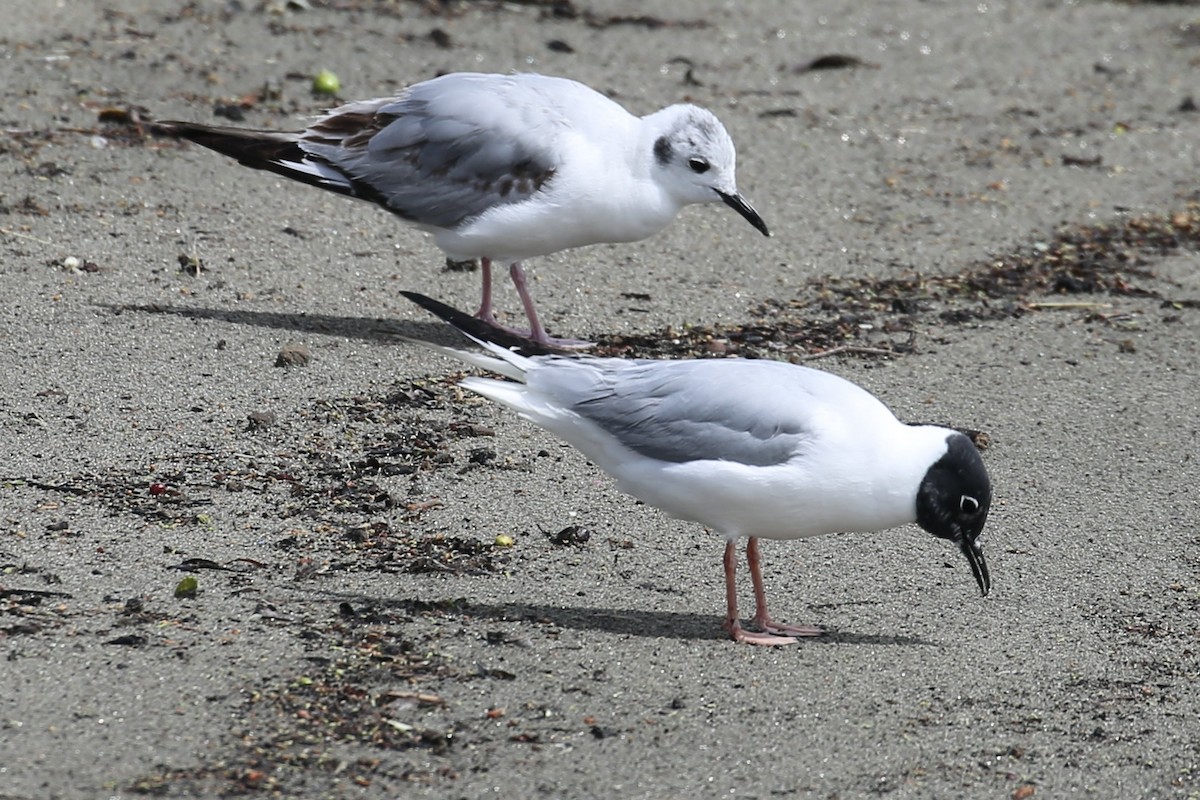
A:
(536, 332)
(762, 619)
(734, 625)
(485, 312)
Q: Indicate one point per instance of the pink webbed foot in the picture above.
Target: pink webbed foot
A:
(765, 623)
(768, 631)
(536, 333)
(544, 340)
(568, 345)
(743, 636)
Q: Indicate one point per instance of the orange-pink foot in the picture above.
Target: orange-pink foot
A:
(523, 335)
(783, 629)
(743, 636)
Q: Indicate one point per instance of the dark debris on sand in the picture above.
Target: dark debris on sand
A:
(880, 317)
(366, 709)
(365, 691)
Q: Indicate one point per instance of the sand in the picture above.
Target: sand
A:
(357, 632)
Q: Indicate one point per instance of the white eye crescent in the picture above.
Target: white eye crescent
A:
(968, 504)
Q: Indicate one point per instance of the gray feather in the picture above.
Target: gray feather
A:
(438, 157)
(669, 410)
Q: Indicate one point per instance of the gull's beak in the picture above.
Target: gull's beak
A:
(739, 204)
(974, 554)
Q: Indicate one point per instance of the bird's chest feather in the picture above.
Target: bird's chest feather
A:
(785, 501)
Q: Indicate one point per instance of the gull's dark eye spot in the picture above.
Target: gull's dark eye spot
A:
(662, 150)
(698, 165)
(968, 504)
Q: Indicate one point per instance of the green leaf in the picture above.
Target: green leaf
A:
(187, 588)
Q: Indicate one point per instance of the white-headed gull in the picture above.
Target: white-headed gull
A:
(504, 167)
(752, 448)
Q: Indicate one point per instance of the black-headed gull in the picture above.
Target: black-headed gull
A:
(504, 167)
(752, 448)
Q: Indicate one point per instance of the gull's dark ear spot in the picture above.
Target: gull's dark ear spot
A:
(968, 504)
(662, 151)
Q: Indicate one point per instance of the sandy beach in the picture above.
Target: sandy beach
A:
(989, 210)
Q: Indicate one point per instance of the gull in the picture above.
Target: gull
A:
(504, 168)
(753, 448)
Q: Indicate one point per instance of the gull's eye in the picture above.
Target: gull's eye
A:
(698, 165)
(968, 504)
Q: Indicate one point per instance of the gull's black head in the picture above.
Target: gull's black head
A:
(954, 500)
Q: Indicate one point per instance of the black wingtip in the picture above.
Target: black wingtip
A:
(174, 129)
(478, 329)
(464, 322)
(232, 142)
(273, 151)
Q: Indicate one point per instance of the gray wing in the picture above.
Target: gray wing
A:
(750, 412)
(446, 150)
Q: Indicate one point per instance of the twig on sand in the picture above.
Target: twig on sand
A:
(11, 232)
(1058, 305)
(847, 348)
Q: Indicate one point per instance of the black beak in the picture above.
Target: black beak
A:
(974, 554)
(739, 204)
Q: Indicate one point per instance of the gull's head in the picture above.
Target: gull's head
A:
(695, 161)
(953, 502)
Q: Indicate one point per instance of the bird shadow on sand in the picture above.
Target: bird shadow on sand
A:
(365, 328)
(626, 622)
(643, 623)
(362, 328)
